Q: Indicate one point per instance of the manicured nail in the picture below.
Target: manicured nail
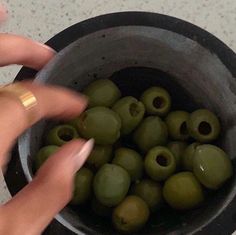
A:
(83, 154)
(46, 47)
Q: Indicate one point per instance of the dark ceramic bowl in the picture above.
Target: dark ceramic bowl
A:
(137, 50)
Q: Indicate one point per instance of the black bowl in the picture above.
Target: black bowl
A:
(137, 50)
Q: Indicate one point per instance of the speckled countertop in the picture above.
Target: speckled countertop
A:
(42, 19)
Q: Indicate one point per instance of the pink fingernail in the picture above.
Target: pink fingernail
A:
(83, 154)
(46, 47)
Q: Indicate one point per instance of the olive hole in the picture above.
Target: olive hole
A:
(204, 128)
(158, 102)
(65, 134)
(162, 160)
(183, 129)
(134, 109)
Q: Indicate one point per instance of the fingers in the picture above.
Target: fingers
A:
(35, 206)
(20, 50)
(56, 102)
(52, 102)
(3, 14)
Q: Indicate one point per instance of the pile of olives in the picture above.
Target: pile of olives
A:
(145, 155)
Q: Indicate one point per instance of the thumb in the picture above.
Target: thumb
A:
(35, 206)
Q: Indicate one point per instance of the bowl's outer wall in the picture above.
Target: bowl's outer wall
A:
(211, 72)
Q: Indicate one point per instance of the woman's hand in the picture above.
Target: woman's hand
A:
(32, 209)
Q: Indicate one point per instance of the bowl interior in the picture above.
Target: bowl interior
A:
(137, 57)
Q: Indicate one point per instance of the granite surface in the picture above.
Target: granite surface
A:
(43, 19)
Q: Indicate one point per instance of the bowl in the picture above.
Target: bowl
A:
(137, 50)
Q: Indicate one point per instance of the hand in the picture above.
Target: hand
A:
(32, 209)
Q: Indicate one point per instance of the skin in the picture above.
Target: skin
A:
(53, 177)
(43, 154)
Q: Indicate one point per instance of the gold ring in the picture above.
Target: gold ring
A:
(25, 96)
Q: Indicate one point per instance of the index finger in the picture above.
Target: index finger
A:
(52, 102)
(20, 50)
(56, 101)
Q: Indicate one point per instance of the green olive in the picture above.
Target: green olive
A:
(72, 122)
(187, 157)
(203, 125)
(99, 209)
(130, 215)
(100, 155)
(183, 191)
(111, 184)
(82, 186)
(100, 123)
(177, 148)
(43, 154)
(102, 92)
(131, 161)
(159, 163)
(156, 100)
(176, 122)
(61, 134)
(151, 132)
(131, 113)
(76, 122)
(212, 166)
(150, 191)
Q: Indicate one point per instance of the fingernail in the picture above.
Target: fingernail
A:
(49, 48)
(46, 47)
(83, 154)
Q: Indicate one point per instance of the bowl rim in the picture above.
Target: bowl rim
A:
(139, 18)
